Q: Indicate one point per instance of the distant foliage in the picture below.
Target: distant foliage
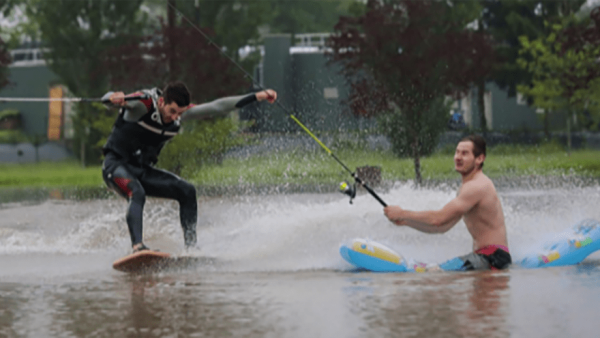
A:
(103, 122)
(507, 21)
(564, 64)
(77, 34)
(200, 143)
(12, 136)
(394, 125)
(401, 57)
(10, 127)
(5, 60)
(174, 53)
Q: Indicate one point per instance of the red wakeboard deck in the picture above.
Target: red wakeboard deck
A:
(143, 261)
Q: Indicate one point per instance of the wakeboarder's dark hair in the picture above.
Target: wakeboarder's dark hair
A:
(177, 92)
(478, 145)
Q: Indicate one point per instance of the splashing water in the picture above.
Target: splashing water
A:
(288, 232)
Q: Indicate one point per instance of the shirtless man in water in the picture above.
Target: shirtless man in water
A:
(477, 203)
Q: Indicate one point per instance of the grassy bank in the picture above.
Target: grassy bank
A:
(307, 168)
(49, 174)
(319, 168)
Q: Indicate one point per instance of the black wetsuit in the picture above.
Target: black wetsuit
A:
(132, 150)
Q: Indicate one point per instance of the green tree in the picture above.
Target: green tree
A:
(7, 5)
(77, 34)
(231, 24)
(506, 21)
(5, 59)
(298, 17)
(565, 69)
(19, 29)
(402, 57)
(236, 24)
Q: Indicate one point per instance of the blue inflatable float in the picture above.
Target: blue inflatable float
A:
(567, 248)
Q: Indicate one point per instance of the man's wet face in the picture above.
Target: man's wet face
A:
(171, 112)
(464, 159)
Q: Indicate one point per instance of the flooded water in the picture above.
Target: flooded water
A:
(268, 266)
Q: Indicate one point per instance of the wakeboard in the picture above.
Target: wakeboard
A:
(568, 247)
(147, 261)
(143, 261)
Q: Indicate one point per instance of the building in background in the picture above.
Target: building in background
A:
(307, 87)
(315, 92)
(30, 77)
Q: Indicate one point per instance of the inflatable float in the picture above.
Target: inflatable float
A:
(566, 248)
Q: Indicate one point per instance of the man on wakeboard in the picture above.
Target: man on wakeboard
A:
(477, 203)
(141, 130)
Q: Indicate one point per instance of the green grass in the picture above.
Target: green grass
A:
(308, 168)
(49, 174)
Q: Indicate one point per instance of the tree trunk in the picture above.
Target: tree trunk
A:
(82, 152)
(481, 89)
(171, 13)
(569, 133)
(197, 12)
(171, 24)
(417, 160)
(547, 124)
(481, 104)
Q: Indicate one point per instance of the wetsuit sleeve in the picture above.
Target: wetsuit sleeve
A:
(218, 107)
(106, 97)
(134, 109)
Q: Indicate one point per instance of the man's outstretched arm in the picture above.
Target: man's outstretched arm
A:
(224, 105)
(133, 109)
(436, 221)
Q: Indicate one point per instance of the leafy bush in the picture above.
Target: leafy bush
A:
(429, 127)
(200, 143)
(12, 136)
(86, 131)
(10, 113)
(103, 123)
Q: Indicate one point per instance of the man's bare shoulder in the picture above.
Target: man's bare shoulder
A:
(479, 184)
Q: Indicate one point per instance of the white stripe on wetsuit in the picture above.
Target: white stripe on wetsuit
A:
(156, 130)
